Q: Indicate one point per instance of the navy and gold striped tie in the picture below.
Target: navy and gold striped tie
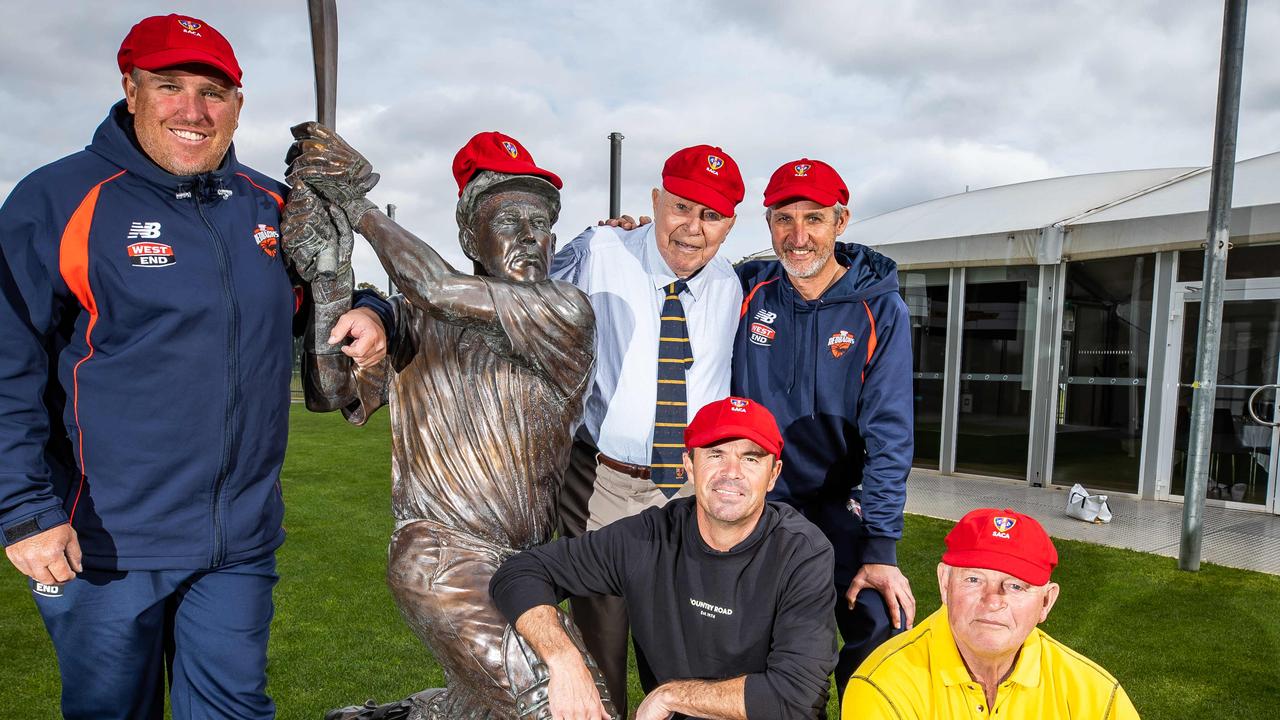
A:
(671, 414)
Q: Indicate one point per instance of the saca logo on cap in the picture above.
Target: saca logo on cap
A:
(1003, 526)
(511, 148)
(802, 169)
(191, 26)
(738, 405)
(714, 163)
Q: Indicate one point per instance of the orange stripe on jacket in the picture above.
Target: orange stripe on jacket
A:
(871, 341)
(746, 301)
(73, 264)
(274, 195)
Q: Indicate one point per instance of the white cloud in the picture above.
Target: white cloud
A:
(909, 100)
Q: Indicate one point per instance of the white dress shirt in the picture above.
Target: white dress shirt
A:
(625, 277)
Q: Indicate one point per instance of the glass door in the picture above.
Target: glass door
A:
(1242, 460)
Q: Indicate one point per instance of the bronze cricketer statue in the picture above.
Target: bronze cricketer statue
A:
(485, 378)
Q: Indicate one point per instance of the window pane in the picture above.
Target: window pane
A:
(1243, 262)
(1106, 331)
(995, 371)
(925, 292)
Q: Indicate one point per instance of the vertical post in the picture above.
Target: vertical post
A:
(615, 174)
(1215, 272)
(391, 286)
(951, 373)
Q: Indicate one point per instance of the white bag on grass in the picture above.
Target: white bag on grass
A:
(1089, 508)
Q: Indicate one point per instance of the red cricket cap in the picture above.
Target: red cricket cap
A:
(806, 179)
(705, 175)
(1002, 540)
(734, 417)
(498, 152)
(163, 41)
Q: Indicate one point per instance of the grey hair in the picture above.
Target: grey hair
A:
(485, 180)
(840, 209)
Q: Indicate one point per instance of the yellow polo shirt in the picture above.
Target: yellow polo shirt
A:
(920, 674)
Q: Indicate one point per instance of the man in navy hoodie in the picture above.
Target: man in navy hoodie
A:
(148, 321)
(823, 341)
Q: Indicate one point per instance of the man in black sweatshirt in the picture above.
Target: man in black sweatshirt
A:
(730, 597)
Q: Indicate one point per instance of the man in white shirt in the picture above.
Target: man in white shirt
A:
(666, 313)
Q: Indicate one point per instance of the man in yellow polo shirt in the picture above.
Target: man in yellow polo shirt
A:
(981, 655)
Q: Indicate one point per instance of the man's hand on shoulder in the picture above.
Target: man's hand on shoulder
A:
(626, 222)
(892, 585)
(51, 557)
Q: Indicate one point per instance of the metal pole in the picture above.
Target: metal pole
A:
(615, 174)
(391, 285)
(1215, 272)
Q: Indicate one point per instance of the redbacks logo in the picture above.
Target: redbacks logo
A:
(738, 405)
(1003, 526)
(839, 343)
(267, 238)
(511, 148)
(802, 169)
(714, 163)
(150, 255)
(762, 334)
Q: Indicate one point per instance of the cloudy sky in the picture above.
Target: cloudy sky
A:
(909, 100)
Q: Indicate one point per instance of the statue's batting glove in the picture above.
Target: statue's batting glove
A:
(337, 173)
(310, 227)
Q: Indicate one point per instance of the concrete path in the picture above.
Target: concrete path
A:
(1235, 538)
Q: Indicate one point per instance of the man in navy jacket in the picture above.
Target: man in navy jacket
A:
(148, 321)
(823, 341)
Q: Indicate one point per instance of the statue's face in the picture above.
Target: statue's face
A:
(512, 235)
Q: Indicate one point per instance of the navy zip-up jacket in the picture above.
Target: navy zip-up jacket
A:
(144, 385)
(836, 373)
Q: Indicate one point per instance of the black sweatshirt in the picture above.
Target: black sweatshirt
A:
(761, 609)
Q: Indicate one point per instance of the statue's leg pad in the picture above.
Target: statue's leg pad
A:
(529, 676)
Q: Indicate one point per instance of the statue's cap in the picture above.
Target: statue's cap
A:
(164, 41)
(498, 152)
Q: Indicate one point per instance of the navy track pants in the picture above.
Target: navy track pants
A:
(118, 633)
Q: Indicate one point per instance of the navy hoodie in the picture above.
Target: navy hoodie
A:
(836, 373)
(144, 386)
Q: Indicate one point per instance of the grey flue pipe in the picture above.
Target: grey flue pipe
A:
(1208, 340)
(615, 174)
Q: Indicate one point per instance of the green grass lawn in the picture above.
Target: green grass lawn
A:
(1184, 645)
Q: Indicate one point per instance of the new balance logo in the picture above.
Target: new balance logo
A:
(144, 230)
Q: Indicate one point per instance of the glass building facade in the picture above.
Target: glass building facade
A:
(1081, 372)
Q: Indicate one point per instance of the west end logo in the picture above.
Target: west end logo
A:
(840, 342)
(150, 255)
(1003, 526)
(714, 163)
(762, 334)
(511, 148)
(267, 239)
(49, 591)
(802, 170)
